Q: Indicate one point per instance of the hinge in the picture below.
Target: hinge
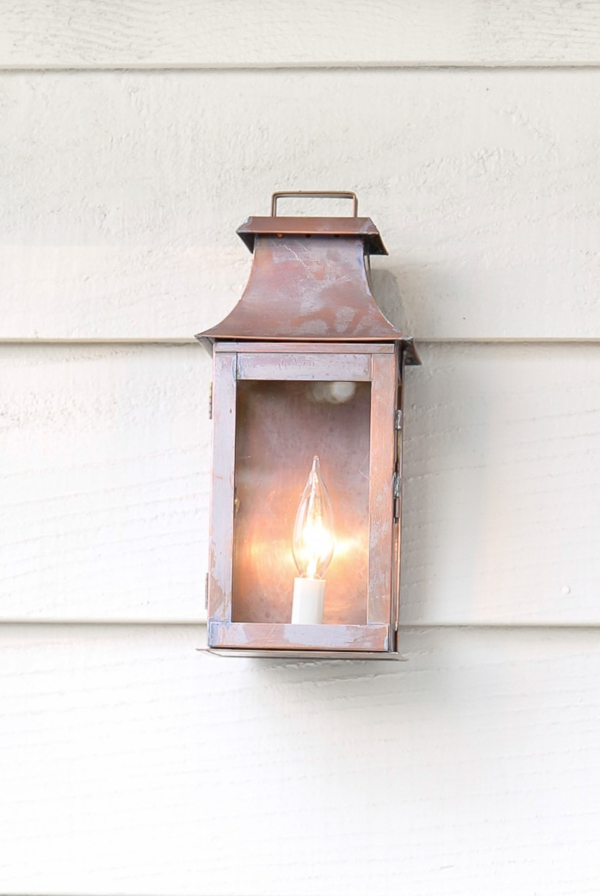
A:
(210, 401)
(206, 592)
(396, 484)
(398, 420)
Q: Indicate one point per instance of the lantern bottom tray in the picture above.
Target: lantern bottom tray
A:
(306, 654)
(279, 639)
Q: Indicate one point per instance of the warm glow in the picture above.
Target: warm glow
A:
(314, 535)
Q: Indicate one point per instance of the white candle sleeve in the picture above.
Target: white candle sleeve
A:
(307, 607)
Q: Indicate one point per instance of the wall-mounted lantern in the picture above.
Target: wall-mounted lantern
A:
(307, 434)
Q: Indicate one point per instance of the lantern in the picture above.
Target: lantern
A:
(307, 427)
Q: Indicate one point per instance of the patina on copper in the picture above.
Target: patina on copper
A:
(309, 280)
(306, 325)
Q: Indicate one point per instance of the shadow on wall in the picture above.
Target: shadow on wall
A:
(391, 299)
(410, 295)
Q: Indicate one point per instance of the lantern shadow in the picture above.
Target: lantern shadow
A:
(390, 298)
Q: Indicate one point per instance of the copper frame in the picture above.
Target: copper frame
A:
(308, 315)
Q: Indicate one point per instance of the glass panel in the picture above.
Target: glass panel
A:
(281, 426)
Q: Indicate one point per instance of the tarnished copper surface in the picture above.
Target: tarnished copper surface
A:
(384, 389)
(222, 487)
(309, 288)
(301, 653)
(310, 227)
(277, 347)
(299, 637)
(306, 325)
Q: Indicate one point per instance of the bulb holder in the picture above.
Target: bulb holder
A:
(308, 601)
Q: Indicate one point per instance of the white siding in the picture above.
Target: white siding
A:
(502, 497)
(133, 764)
(109, 522)
(221, 33)
(105, 482)
(485, 186)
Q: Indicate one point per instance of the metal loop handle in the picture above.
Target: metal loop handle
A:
(315, 194)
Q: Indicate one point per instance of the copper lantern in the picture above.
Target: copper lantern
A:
(307, 430)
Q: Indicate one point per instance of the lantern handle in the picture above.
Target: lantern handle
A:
(315, 194)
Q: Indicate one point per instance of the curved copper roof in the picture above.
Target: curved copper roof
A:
(309, 281)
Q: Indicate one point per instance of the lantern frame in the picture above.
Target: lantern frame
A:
(294, 259)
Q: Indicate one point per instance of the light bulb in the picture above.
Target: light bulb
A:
(314, 539)
(313, 544)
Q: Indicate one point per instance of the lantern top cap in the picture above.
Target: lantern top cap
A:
(276, 225)
(334, 227)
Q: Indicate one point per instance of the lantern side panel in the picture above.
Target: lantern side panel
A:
(281, 425)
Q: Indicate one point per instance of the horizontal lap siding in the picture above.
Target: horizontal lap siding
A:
(122, 192)
(104, 482)
(271, 33)
(502, 491)
(106, 477)
(134, 764)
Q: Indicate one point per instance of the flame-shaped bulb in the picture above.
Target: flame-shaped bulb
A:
(314, 538)
(313, 545)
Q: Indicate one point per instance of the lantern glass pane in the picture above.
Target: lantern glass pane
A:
(281, 426)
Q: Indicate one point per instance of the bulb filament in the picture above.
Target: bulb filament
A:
(314, 535)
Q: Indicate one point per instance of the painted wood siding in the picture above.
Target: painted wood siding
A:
(136, 136)
(485, 186)
(134, 764)
(109, 521)
(235, 33)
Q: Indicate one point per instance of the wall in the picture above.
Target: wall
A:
(136, 137)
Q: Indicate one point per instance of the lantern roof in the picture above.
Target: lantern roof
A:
(309, 281)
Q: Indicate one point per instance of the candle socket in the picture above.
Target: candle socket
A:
(307, 606)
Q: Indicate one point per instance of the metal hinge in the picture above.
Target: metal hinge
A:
(396, 485)
(398, 421)
(206, 592)
(210, 401)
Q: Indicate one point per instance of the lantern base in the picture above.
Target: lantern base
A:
(373, 638)
(295, 655)
(307, 607)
